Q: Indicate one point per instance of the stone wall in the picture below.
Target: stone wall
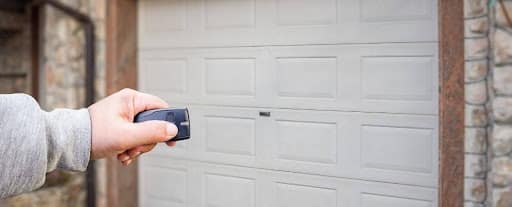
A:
(500, 175)
(14, 52)
(488, 76)
(477, 99)
(64, 43)
(63, 85)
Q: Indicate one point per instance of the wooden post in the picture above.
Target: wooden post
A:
(451, 103)
(121, 73)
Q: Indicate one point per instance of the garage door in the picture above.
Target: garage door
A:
(324, 103)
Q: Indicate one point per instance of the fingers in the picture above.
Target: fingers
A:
(126, 163)
(149, 132)
(144, 101)
(135, 152)
(128, 156)
(171, 143)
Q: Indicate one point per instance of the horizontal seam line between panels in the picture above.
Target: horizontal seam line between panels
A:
(477, 126)
(475, 59)
(160, 155)
(474, 202)
(476, 81)
(285, 45)
(303, 109)
(470, 60)
(477, 17)
(480, 154)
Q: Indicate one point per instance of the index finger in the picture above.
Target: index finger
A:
(144, 101)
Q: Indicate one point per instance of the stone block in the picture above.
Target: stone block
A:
(475, 70)
(502, 47)
(475, 116)
(475, 166)
(475, 8)
(72, 193)
(476, 93)
(478, 27)
(474, 190)
(502, 198)
(502, 110)
(503, 80)
(502, 140)
(501, 20)
(501, 171)
(476, 48)
(472, 204)
(475, 140)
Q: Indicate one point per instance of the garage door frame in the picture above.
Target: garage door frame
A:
(122, 73)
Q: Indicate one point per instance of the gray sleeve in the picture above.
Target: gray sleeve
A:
(34, 142)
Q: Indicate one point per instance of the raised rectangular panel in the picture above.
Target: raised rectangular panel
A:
(306, 12)
(393, 10)
(234, 23)
(230, 135)
(229, 14)
(230, 76)
(228, 191)
(293, 195)
(165, 184)
(307, 77)
(397, 149)
(213, 184)
(158, 202)
(373, 200)
(165, 75)
(307, 141)
(164, 15)
(397, 78)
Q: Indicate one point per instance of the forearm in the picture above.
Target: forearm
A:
(34, 142)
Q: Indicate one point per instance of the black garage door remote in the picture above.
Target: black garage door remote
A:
(178, 116)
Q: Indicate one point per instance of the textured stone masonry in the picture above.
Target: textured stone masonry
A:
(64, 78)
(500, 174)
(477, 97)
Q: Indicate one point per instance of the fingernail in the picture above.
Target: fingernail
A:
(171, 130)
(136, 154)
(128, 162)
(124, 157)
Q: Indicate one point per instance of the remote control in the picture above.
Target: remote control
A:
(178, 116)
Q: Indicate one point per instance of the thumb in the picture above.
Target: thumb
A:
(149, 132)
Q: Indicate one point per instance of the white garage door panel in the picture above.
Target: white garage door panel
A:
(399, 78)
(351, 88)
(393, 148)
(228, 186)
(197, 23)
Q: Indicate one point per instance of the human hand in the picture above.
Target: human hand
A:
(113, 130)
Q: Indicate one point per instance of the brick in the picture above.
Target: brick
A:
(502, 47)
(475, 116)
(500, 15)
(473, 204)
(476, 48)
(502, 110)
(503, 80)
(503, 198)
(475, 70)
(475, 166)
(502, 140)
(474, 8)
(474, 190)
(475, 140)
(478, 27)
(476, 93)
(501, 171)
